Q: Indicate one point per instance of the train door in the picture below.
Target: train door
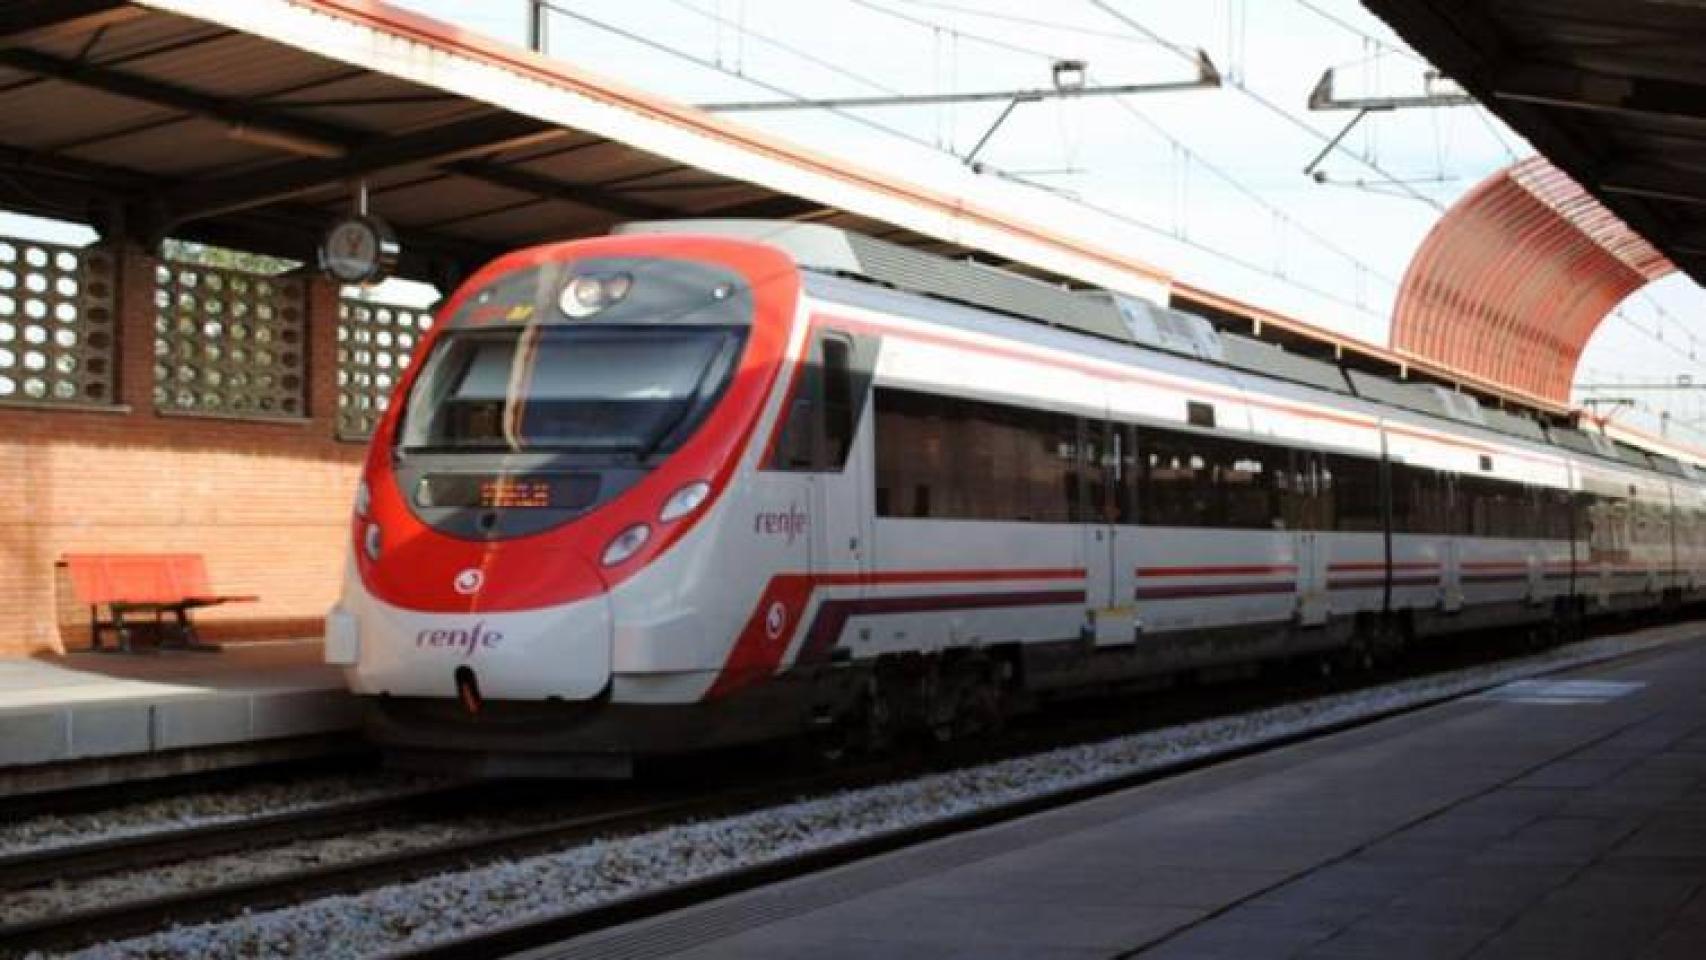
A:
(841, 509)
(1309, 542)
(822, 443)
(1451, 575)
(840, 542)
(1106, 463)
(1312, 598)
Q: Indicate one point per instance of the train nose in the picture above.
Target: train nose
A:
(558, 652)
(555, 652)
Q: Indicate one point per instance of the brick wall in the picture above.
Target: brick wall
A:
(266, 503)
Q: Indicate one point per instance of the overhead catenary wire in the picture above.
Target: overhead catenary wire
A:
(1283, 218)
(1384, 46)
(1401, 185)
(743, 32)
(1485, 117)
(1020, 20)
(1281, 215)
(687, 57)
(1272, 107)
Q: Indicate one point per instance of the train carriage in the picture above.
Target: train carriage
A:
(703, 483)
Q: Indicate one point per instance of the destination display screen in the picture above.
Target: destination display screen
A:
(515, 493)
(486, 492)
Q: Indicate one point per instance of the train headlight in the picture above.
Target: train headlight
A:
(363, 499)
(370, 541)
(588, 293)
(684, 501)
(626, 544)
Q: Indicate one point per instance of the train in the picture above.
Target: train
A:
(698, 484)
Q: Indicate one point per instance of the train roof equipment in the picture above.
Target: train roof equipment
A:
(1111, 315)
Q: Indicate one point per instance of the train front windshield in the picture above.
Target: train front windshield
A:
(615, 356)
(619, 388)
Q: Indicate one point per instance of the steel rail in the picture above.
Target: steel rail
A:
(540, 933)
(161, 847)
(134, 917)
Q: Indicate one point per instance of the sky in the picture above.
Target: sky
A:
(1208, 184)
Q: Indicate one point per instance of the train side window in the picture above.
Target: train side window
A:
(1419, 500)
(1090, 491)
(796, 447)
(957, 459)
(1197, 480)
(838, 424)
(1560, 511)
(1242, 476)
(1356, 493)
(824, 409)
(1176, 487)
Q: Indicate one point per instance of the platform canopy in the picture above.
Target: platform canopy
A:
(1613, 92)
(254, 124)
(1514, 279)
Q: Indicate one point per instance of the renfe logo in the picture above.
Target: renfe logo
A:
(776, 524)
(776, 620)
(466, 640)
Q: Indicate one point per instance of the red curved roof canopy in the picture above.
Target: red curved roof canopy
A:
(1514, 279)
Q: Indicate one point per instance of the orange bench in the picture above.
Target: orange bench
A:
(144, 583)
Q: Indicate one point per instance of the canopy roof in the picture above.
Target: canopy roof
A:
(1613, 92)
(253, 124)
(1514, 279)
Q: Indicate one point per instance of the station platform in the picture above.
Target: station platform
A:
(1557, 818)
(87, 718)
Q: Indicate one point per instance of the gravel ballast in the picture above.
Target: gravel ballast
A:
(199, 809)
(457, 904)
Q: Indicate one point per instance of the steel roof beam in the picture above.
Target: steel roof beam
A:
(587, 195)
(96, 177)
(294, 230)
(36, 19)
(1690, 241)
(135, 87)
(67, 188)
(1579, 90)
(1461, 38)
(1641, 179)
(769, 208)
(339, 153)
(242, 191)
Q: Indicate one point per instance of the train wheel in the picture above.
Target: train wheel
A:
(1391, 638)
(877, 719)
(1360, 657)
(962, 698)
(942, 714)
(988, 702)
(829, 746)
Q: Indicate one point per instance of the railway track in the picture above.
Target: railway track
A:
(537, 934)
(157, 848)
(123, 792)
(80, 927)
(625, 813)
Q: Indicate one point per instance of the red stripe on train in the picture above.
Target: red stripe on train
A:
(762, 643)
(1219, 571)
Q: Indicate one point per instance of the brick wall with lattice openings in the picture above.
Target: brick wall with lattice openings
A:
(375, 342)
(228, 342)
(56, 323)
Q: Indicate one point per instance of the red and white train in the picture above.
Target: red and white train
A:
(698, 484)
